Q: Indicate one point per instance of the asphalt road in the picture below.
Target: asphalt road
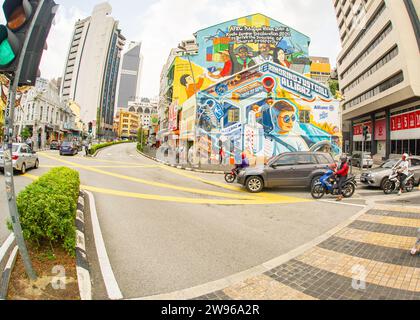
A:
(167, 229)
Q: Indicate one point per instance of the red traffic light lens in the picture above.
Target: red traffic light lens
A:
(17, 19)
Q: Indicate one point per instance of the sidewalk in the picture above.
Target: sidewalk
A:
(367, 260)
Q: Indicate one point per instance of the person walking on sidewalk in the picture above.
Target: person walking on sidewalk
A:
(403, 172)
(341, 175)
(416, 248)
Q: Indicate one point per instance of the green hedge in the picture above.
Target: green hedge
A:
(47, 208)
(96, 147)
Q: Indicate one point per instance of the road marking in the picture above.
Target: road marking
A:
(124, 167)
(112, 192)
(111, 284)
(344, 203)
(156, 184)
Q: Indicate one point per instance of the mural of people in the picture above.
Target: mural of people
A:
(285, 136)
(242, 60)
(280, 57)
(191, 87)
(265, 53)
(227, 68)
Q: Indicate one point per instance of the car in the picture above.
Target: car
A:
(356, 159)
(23, 158)
(378, 176)
(291, 169)
(68, 148)
(55, 145)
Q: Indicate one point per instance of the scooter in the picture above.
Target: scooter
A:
(393, 183)
(328, 185)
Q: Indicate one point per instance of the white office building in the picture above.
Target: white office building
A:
(91, 71)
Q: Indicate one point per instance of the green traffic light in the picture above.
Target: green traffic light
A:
(7, 54)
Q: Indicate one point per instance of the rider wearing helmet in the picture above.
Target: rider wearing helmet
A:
(403, 172)
(341, 175)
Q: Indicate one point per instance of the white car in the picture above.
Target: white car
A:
(23, 158)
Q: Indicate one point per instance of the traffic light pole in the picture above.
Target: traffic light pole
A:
(7, 154)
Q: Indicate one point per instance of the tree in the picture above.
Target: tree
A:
(334, 87)
(25, 133)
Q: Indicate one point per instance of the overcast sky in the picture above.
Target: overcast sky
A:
(161, 24)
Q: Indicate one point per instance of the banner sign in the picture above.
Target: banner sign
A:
(406, 121)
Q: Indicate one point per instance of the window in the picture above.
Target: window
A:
(305, 159)
(322, 159)
(286, 160)
(233, 115)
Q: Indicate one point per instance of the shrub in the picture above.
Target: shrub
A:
(96, 147)
(47, 208)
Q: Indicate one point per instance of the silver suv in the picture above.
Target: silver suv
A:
(297, 169)
(22, 157)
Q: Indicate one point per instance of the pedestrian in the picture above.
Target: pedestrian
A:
(341, 175)
(416, 248)
(29, 142)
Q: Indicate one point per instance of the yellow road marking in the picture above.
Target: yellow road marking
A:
(177, 199)
(156, 184)
(394, 221)
(124, 167)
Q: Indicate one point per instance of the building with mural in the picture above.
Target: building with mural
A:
(241, 78)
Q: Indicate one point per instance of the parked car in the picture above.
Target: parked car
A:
(377, 177)
(367, 161)
(55, 145)
(297, 169)
(23, 158)
(68, 148)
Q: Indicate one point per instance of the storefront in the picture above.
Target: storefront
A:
(405, 132)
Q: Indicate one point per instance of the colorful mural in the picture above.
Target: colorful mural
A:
(267, 110)
(233, 46)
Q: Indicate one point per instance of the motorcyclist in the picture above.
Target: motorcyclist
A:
(341, 176)
(402, 171)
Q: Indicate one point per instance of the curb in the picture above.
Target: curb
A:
(9, 254)
(179, 167)
(82, 264)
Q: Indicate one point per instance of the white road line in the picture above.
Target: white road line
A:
(344, 203)
(111, 284)
(6, 246)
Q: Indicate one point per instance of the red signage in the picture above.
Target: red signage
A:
(380, 130)
(358, 129)
(405, 121)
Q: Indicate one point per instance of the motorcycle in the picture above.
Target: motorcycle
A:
(231, 176)
(328, 185)
(393, 183)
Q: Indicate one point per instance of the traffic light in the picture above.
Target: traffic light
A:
(365, 132)
(90, 127)
(20, 15)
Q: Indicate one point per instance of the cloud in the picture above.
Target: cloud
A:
(53, 60)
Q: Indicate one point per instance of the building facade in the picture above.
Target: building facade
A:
(45, 116)
(91, 70)
(126, 124)
(130, 75)
(228, 90)
(379, 77)
(146, 108)
(321, 69)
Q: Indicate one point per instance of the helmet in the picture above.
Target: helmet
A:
(405, 156)
(343, 158)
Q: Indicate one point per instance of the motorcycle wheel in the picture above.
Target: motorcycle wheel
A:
(349, 190)
(409, 186)
(389, 187)
(230, 178)
(317, 191)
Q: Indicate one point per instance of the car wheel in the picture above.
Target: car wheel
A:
(36, 164)
(23, 169)
(254, 184)
(384, 180)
